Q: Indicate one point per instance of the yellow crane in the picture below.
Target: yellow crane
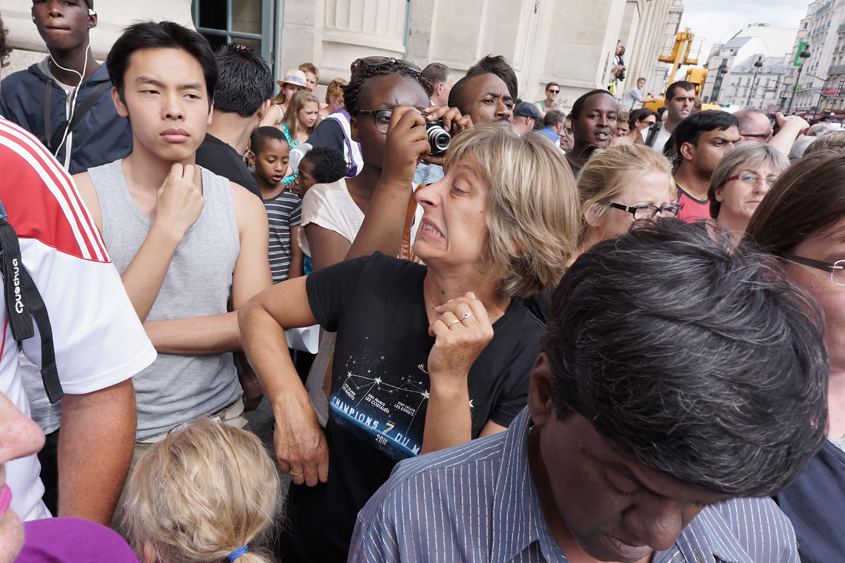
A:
(682, 49)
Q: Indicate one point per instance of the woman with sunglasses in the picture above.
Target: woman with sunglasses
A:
(740, 182)
(802, 221)
(553, 99)
(638, 120)
(620, 185)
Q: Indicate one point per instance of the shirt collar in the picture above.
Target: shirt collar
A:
(518, 515)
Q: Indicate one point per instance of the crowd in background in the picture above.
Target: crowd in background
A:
(480, 328)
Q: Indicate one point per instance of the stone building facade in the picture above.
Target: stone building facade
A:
(567, 41)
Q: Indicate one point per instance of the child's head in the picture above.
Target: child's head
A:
(201, 494)
(320, 165)
(269, 153)
(303, 113)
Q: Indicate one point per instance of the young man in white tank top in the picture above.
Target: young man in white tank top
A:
(186, 222)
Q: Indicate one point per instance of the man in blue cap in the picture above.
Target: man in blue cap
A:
(526, 118)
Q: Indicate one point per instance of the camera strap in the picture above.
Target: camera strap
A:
(23, 304)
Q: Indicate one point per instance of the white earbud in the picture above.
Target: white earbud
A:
(91, 12)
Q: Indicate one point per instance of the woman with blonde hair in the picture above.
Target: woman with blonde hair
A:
(427, 356)
(208, 493)
(302, 116)
(334, 97)
(620, 185)
(293, 81)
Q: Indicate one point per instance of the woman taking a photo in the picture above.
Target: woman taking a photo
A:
(427, 356)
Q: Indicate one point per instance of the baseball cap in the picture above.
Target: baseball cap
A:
(527, 109)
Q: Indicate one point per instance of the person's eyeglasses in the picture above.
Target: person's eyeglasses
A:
(836, 269)
(554, 91)
(568, 131)
(757, 135)
(382, 117)
(379, 61)
(649, 123)
(752, 179)
(649, 211)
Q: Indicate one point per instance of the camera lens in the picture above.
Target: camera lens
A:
(438, 138)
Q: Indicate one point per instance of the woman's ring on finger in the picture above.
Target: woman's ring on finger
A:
(452, 322)
(295, 474)
(466, 315)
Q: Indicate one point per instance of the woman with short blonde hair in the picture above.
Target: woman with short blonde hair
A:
(427, 356)
(204, 494)
(620, 185)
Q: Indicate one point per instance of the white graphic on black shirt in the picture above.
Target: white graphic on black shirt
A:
(386, 407)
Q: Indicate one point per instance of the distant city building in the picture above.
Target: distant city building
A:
(731, 71)
(820, 89)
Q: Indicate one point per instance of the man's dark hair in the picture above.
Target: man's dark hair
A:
(244, 80)
(437, 73)
(5, 50)
(258, 140)
(578, 106)
(710, 368)
(553, 117)
(361, 72)
(691, 127)
(641, 115)
(329, 164)
(498, 65)
(680, 84)
(161, 35)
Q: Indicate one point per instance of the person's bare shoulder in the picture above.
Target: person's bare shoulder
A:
(89, 196)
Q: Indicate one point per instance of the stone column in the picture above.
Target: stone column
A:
(333, 33)
(112, 17)
(648, 41)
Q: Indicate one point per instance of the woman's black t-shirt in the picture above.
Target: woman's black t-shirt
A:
(380, 386)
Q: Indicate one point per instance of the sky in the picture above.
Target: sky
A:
(718, 20)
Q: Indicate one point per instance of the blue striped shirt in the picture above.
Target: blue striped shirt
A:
(477, 502)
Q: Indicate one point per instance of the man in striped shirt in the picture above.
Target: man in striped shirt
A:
(667, 405)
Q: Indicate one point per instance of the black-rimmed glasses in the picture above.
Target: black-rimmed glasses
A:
(836, 269)
(378, 61)
(649, 211)
(382, 117)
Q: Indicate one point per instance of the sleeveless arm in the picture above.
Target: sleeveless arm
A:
(216, 334)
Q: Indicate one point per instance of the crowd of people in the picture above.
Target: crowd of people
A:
(602, 334)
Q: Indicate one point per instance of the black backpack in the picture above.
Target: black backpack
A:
(24, 303)
(652, 134)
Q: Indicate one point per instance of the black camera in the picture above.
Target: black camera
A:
(438, 137)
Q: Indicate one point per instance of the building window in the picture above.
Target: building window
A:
(245, 22)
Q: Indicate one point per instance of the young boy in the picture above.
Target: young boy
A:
(269, 153)
(184, 240)
(320, 165)
(44, 97)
